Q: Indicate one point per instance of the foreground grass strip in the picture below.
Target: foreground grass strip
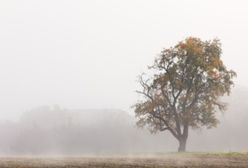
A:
(176, 160)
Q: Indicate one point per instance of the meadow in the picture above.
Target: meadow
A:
(176, 160)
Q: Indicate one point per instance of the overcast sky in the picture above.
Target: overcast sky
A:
(88, 53)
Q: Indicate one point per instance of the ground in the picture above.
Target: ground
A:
(135, 161)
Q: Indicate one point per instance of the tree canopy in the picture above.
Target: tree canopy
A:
(183, 89)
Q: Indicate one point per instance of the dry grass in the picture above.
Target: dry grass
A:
(155, 161)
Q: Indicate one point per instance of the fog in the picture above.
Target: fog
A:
(55, 130)
(68, 72)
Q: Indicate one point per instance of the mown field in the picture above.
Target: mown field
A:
(136, 161)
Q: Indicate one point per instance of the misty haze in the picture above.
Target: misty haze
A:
(138, 80)
(60, 131)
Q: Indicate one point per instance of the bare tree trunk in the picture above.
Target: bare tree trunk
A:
(183, 138)
(182, 144)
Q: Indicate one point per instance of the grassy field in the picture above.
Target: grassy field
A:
(136, 161)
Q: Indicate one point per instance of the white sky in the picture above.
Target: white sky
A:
(88, 53)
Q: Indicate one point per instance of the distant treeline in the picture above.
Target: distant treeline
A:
(55, 130)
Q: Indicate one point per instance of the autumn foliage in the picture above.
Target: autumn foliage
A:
(183, 87)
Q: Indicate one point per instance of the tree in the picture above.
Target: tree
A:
(184, 88)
